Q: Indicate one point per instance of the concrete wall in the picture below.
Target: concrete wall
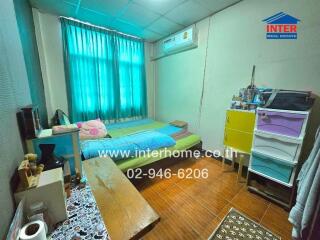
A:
(48, 32)
(31, 56)
(179, 80)
(150, 77)
(14, 93)
(49, 39)
(236, 42)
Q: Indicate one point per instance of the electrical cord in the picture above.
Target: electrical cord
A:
(204, 74)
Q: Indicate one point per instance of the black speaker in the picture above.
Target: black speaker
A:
(29, 122)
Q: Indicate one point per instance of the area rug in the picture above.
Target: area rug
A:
(236, 226)
(84, 218)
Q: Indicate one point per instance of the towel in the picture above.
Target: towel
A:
(308, 191)
(180, 124)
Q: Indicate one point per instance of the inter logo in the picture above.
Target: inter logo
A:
(281, 26)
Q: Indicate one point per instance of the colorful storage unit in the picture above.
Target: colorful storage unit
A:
(282, 122)
(271, 167)
(239, 126)
(67, 146)
(284, 148)
(277, 144)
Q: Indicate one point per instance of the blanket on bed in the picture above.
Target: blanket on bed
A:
(127, 146)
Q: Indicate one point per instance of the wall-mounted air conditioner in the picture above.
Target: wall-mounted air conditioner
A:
(180, 41)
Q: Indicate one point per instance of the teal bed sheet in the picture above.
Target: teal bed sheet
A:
(181, 145)
(127, 146)
(118, 130)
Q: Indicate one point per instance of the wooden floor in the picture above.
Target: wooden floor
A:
(192, 209)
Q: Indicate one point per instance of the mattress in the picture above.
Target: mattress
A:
(181, 145)
(183, 142)
(127, 146)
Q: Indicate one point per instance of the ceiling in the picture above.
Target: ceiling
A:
(148, 19)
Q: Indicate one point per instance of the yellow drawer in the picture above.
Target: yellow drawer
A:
(240, 120)
(239, 140)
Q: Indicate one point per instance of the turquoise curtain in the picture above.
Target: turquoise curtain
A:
(105, 73)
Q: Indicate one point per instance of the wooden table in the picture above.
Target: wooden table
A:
(126, 214)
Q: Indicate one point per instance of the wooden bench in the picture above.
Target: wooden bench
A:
(126, 214)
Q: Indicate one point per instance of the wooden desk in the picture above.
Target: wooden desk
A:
(67, 145)
(126, 214)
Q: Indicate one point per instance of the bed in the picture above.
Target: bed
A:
(183, 140)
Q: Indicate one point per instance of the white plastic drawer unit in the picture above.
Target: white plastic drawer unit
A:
(271, 168)
(283, 148)
(282, 122)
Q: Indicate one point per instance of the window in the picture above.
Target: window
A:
(105, 73)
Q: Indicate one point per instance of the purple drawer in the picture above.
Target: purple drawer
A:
(285, 123)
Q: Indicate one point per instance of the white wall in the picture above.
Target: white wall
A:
(179, 80)
(48, 32)
(237, 42)
(150, 68)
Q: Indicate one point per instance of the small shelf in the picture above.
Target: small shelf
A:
(273, 191)
(263, 194)
(277, 136)
(242, 110)
(283, 110)
(274, 146)
(292, 163)
(273, 179)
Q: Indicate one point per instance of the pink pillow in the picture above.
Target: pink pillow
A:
(92, 129)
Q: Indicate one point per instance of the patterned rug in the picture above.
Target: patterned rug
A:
(236, 226)
(84, 218)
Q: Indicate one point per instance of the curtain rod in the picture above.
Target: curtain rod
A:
(104, 28)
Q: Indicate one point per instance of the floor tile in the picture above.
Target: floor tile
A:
(250, 204)
(227, 185)
(172, 229)
(224, 211)
(188, 209)
(160, 205)
(209, 228)
(276, 218)
(202, 194)
(193, 208)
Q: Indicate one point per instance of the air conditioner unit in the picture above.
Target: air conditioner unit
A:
(181, 41)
